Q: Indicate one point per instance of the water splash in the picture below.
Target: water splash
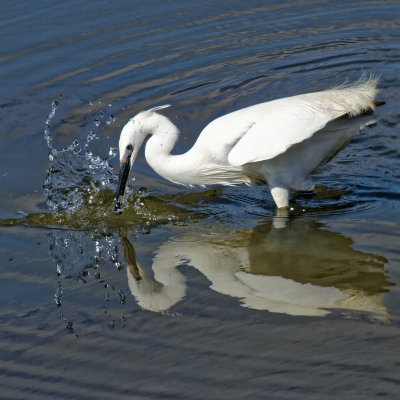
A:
(79, 255)
(47, 135)
(80, 186)
(77, 251)
(74, 173)
(110, 120)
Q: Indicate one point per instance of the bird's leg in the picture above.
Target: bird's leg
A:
(280, 196)
(281, 218)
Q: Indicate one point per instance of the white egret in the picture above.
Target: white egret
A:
(280, 142)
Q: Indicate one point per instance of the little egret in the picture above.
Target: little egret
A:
(280, 142)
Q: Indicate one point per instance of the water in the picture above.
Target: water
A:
(192, 293)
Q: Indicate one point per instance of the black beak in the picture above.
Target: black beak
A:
(123, 177)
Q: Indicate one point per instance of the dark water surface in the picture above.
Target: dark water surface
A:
(192, 293)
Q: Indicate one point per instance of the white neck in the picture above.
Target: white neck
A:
(158, 152)
(198, 166)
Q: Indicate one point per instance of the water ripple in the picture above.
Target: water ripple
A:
(110, 60)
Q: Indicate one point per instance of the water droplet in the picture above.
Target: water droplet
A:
(110, 120)
(112, 152)
(69, 327)
(122, 297)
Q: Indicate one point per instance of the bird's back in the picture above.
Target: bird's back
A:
(263, 131)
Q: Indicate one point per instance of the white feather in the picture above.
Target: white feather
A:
(279, 124)
(159, 107)
(280, 142)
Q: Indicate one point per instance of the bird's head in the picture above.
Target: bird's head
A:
(132, 136)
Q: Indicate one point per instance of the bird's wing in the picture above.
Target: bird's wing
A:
(278, 127)
(265, 130)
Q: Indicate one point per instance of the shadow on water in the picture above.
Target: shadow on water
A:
(96, 213)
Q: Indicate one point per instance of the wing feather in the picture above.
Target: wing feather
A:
(279, 124)
(276, 132)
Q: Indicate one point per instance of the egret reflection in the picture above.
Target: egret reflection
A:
(301, 268)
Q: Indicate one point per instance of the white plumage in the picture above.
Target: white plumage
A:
(280, 142)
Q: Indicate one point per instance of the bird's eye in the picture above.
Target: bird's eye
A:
(129, 147)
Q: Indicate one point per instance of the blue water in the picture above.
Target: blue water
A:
(192, 293)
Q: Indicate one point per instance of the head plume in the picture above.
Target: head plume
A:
(159, 107)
